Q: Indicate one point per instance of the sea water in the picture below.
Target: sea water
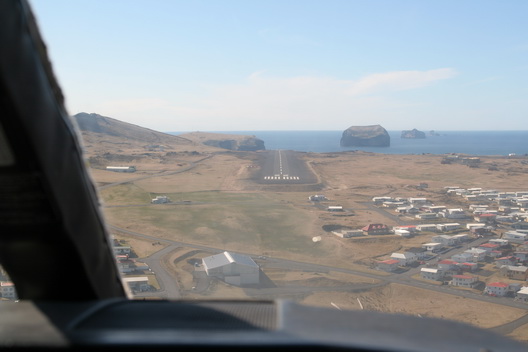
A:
(442, 142)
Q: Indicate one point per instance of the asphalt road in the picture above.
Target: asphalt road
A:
(284, 167)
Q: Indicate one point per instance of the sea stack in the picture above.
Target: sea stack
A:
(413, 134)
(365, 136)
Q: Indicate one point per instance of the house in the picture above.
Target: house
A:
(160, 200)
(407, 210)
(433, 246)
(448, 227)
(348, 233)
(335, 208)
(411, 228)
(470, 226)
(478, 254)
(417, 201)
(317, 198)
(515, 236)
(488, 247)
(500, 241)
(461, 237)
(514, 272)
(137, 284)
(118, 250)
(379, 200)
(505, 261)
(464, 281)
(426, 216)
(402, 233)
(404, 258)
(7, 290)
(495, 253)
(121, 168)
(462, 257)
(522, 295)
(468, 267)
(235, 269)
(454, 214)
(427, 227)
(447, 265)
(485, 218)
(420, 253)
(522, 256)
(444, 240)
(376, 229)
(431, 274)
(498, 289)
(389, 265)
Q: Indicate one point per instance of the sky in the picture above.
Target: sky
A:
(232, 65)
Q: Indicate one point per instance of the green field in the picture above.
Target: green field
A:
(251, 221)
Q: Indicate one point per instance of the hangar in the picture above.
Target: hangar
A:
(234, 269)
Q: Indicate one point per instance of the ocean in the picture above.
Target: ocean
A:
(463, 142)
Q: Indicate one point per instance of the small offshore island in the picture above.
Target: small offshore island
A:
(354, 223)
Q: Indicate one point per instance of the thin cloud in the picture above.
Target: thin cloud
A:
(302, 102)
(399, 80)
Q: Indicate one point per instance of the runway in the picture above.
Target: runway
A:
(283, 167)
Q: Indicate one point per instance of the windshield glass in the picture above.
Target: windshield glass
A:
(345, 154)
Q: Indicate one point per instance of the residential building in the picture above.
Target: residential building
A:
(445, 240)
(464, 281)
(405, 259)
(514, 272)
(420, 253)
(427, 227)
(462, 257)
(522, 295)
(447, 265)
(389, 265)
(431, 274)
(515, 236)
(376, 229)
(433, 246)
(499, 289)
(505, 261)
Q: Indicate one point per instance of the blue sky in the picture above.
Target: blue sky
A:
(292, 65)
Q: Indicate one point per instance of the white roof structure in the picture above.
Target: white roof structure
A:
(219, 260)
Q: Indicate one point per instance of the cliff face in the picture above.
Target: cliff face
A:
(365, 136)
(247, 144)
(413, 134)
(227, 141)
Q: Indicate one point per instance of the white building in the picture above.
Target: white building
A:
(498, 289)
(404, 258)
(317, 198)
(433, 246)
(464, 281)
(446, 240)
(522, 295)
(515, 236)
(235, 269)
(455, 214)
(349, 233)
(431, 274)
(427, 227)
(137, 284)
(160, 200)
